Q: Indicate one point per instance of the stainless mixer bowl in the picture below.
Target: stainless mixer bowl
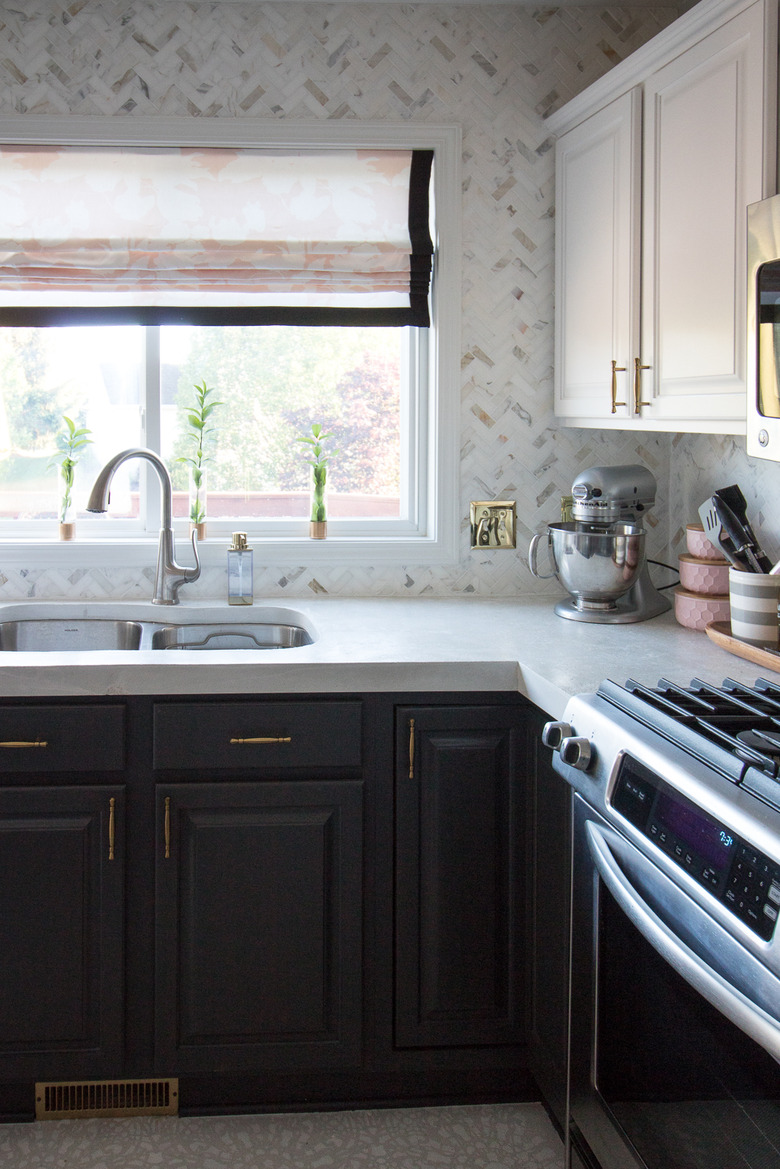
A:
(595, 566)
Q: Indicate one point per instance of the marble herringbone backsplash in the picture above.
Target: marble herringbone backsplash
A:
(497, 70)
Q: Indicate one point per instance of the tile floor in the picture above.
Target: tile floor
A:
(496, 1136)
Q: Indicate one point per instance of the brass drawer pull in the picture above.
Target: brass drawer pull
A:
(23, 743)
(411, 748)
(616, 369)
(167, 828)
(111, 826)
(263, 739)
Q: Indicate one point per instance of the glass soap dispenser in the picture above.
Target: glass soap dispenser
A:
(239, 558)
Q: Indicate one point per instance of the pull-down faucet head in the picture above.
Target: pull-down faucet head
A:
(169, 576)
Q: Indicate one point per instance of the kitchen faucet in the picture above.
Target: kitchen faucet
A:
(169, 576)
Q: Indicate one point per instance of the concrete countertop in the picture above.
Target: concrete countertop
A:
(388, 645)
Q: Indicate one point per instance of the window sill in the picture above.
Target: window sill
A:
(142, 553)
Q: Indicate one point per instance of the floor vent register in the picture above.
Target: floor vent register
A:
(104, 1098)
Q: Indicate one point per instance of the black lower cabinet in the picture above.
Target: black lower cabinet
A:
(61, 931)
(460, 856)
(259, 910)
(293, 901)
(548, 925)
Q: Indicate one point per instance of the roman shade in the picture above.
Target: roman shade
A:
(214, 235)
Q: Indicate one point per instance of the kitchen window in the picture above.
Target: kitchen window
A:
(390, 391)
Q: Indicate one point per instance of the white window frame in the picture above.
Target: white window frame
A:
(432, 535)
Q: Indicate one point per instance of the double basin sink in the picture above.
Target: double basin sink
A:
(65, 628)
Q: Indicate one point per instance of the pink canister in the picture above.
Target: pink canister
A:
(704, 576)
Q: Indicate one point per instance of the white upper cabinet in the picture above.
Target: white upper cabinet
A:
(597, 261)
(652, 188)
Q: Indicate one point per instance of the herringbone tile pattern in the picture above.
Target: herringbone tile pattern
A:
(495, 69)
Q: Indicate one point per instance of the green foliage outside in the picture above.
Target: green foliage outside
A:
(33, 400)
(32, 414)
(273, 382)
(274, 386)
(32, 404)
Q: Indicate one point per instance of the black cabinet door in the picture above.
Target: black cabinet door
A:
(61, 932)
(259, 902)
(459, 876)
(549, 923)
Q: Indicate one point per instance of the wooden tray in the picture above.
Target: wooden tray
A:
(720, 633)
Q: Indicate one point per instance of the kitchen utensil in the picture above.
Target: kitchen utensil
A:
(736, 533)
(719, 537)
(732, 509)
(736, 500)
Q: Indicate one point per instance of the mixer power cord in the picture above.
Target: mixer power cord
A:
(660, 564)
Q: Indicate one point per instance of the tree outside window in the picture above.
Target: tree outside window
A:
(274, 382)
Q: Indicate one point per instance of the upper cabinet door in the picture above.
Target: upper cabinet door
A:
(653, 336)
(597, 261)
(703, 164)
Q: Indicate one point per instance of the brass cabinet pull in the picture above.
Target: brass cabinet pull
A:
(24, 743)
(411, 748)
(167, 827)
(111, 827)
(638, 403)
(616, 369)
(264, 739)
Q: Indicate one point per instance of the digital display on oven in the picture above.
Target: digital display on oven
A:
(694, 828)
(746, 881)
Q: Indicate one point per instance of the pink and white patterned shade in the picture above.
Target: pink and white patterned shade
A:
(204, 225)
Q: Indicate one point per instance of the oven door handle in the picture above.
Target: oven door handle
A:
(720, 991)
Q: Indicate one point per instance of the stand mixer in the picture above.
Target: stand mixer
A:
(600, 556)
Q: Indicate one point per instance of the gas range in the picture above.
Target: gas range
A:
(674, 961)
(691, 775)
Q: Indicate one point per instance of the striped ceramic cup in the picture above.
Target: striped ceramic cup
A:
(754, 598)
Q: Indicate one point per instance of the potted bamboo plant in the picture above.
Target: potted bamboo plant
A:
(197, 421)
(318, 457)
(70, 441)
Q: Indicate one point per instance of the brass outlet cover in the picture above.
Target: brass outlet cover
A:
(493, 523)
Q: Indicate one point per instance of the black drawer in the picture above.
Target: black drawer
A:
(62, 738)
(239, 735)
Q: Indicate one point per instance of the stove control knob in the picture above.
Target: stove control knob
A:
(577, 752)
(553, 734)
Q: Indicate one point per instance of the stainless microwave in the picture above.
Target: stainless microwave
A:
(763, 329)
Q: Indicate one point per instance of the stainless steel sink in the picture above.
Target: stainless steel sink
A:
(59, 634)
(57, 631)
(259, 635)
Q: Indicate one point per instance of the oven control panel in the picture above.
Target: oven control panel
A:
(745, 880)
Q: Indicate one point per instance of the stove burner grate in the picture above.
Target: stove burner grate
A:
(759, 743)
(733, 728)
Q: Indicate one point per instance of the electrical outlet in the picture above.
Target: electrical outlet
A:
(493, 523)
